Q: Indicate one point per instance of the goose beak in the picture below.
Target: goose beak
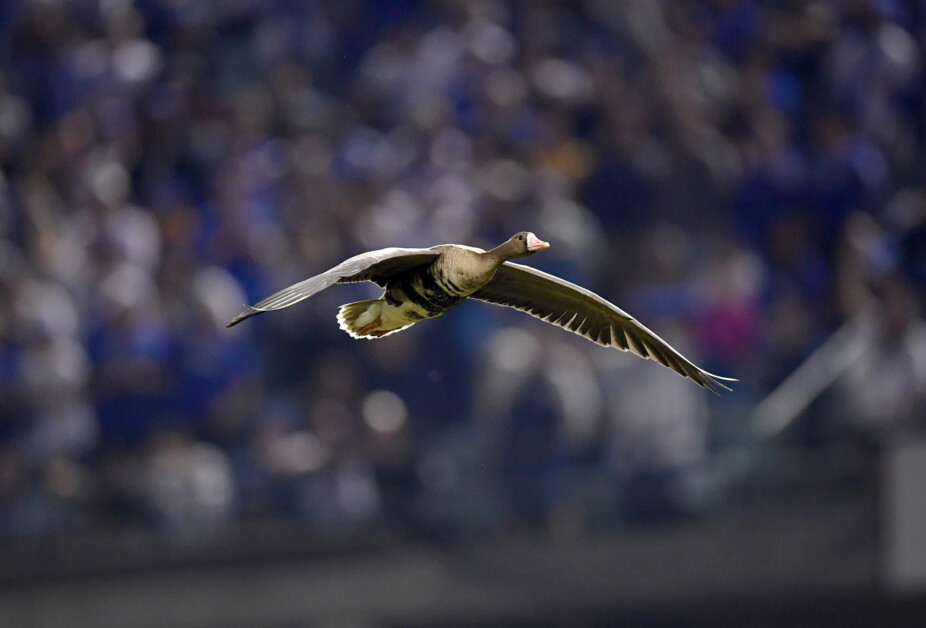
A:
(535, 244)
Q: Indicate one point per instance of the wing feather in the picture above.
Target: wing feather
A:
(581, 311)
(376, 266)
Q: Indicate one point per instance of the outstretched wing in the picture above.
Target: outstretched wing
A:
(376, 266)
(572, 307)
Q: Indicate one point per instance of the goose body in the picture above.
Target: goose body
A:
(425, 283)
(423, 292)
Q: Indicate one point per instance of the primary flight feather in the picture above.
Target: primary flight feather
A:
(425, 283)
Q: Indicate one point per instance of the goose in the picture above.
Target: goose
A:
(425, 283)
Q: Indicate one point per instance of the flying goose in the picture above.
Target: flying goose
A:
(425, 283)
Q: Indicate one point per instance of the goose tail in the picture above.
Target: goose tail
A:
(368, 319)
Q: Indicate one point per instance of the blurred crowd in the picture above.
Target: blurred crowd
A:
(746, 177)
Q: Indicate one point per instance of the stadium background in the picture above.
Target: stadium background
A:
(744, 177)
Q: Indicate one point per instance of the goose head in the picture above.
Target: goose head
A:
(522, 244)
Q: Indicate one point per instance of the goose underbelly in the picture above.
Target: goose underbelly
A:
(423, 295)
(410, 299)
(402, 314)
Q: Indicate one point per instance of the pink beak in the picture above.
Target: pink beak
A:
(536, 244)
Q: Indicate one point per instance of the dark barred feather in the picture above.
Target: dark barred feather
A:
(583, 312)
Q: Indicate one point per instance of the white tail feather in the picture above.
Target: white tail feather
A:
(353, 317)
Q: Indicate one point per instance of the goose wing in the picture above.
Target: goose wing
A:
(572, 307)
(376, 266)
